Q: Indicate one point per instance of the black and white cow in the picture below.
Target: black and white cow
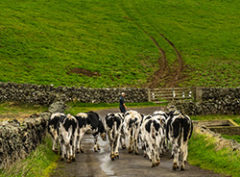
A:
(153, 135)
(67, 132)
(90, 121)
(142, 134)
(113, 125)
(53, 125)
(161, 113)
(179, 130)
(132, 121)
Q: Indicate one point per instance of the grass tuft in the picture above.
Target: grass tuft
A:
(39, 163)
(203, 153)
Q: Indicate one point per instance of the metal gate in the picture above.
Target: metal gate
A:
(165, 95)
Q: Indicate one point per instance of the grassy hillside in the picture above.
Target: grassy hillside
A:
(106, 43)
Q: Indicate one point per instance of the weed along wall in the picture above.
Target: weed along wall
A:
(17, 140)
(45, 95)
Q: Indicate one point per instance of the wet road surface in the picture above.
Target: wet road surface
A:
(99, 164)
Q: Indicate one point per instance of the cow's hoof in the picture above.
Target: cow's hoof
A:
(73, 159)
(182, 168)
(95, 150)
(185, 162)
(69, 161)
(137, 153)
(98, 147)
(55, 150)
(175, 166)
(153, 165)
(123, 146)
(157, 163)
(130, 151)
(112, 156)
(82, 151)
(62, 159)
(116, 155)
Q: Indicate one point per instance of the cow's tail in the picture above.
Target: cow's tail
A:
(70, 131)
(152, 131)
(114, 129)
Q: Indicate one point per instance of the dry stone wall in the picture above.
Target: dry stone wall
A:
(213, 101)
(17, 139)
(45, 94)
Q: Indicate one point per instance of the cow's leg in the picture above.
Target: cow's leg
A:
(54, 137)
(96, 146)
(136, 141)
(111, 143)
(152, 154)
(185, 154)
(54, 148)
(74, 146)
(69, 152)
(117, 145)
(123, 143)
(63, 151)
(129, 138)
(79, 147)
(176, 151)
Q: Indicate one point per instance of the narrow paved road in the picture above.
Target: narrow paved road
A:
(94, 164)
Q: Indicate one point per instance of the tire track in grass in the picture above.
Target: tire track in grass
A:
(174, 73)
(163, 70)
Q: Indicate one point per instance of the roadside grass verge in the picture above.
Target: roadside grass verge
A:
(75, 107)
(39, 163)
(19, 111)
(216, 117)
(203, 153)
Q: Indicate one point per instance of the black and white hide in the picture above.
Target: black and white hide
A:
(161, 113)
(67, 132)
(90, 121)
(179, 131)
(53, 125)
(153, 135)
(132, 121)
(113, 125)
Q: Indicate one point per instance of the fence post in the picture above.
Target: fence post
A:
(199, 93)
(149, 95)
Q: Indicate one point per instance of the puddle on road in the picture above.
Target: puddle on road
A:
(106, 163)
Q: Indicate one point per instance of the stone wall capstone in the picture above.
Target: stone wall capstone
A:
(45, 94)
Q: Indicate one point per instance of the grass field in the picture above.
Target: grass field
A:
(19, 111)
(51, 41)
(74, 108)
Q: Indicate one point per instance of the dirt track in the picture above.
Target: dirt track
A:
(94, 164)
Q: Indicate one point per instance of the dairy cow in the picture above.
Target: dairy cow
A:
(53, 125)
(113, 124)
(153, 135)
(179, 130)
(132, 121)
(90, 121)
(67, 132)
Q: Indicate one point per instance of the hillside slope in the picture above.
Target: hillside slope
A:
(110, 43)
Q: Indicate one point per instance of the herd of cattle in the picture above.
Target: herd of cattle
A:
(154, 134)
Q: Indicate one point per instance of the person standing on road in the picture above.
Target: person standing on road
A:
(122, 105)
